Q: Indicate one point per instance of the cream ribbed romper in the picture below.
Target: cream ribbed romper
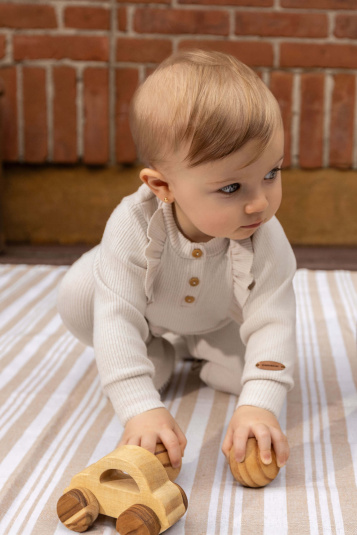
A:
(232, 302)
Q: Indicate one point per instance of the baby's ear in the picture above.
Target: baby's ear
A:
(157, 183)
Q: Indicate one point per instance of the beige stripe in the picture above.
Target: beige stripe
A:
(30, 283)
(295, 470)
(345, 481)
(48, 520)
(348, 337)
(6, 268)
(225, 475)
(354, 279)
(16, 276)
(253, 512)
(24, 310)
(37, 453)
(44, 394)
(296, 492)
(197, 514)
(232, 530)
(188, 401)
(10, 355)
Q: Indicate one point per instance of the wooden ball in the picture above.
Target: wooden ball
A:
(252, 472)
(163, 456)
(77, 509)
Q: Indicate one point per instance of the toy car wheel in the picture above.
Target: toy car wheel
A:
(183, 494)
(77, 509)
(138, 519)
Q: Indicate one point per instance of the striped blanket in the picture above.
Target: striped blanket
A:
(54, 419)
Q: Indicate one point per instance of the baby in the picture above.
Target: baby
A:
(197, 254)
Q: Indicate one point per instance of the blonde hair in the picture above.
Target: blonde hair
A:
(209, 101)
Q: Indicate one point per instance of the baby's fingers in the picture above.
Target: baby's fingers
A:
(148, 442)
(240, 438)
(263, 436)
(281, 447)
(172, 444)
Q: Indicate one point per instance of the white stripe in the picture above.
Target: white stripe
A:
(23, 396)
(54, 405)
(26, 326)
(317, 404)
(27, 352)
(348, 297)
(342, 365)
(108, 441)
(310, 495)
(195, 434)
(321, 422)
(275, 500)
(182, 377)
(6, 278)
(39, 486)
(27, 297)
(216, 486)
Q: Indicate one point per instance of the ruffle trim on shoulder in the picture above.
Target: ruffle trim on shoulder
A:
(156, 233)
(241, 255)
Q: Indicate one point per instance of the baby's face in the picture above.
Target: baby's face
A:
(224, 198)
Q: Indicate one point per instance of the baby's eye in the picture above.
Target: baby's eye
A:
(272, 174)
(231, 188)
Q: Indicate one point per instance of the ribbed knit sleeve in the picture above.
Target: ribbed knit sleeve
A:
(269, 320)
(120, 328)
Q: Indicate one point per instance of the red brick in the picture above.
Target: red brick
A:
(281, 85)
(346, 26)
(318, 55)
(35, 114)
(281, 24)
(88, 18)
(27, 16)
(9, 106)
(253, 53)
(311, 120)
(247, 3)
(96, 116)
(76, 47)
(126, 83)
(2, 45)
(342, 116)
(181, 21)
(320, 4)
(122, 19)
(143, 50)
(64, 115)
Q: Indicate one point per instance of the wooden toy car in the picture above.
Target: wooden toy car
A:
(130, 484)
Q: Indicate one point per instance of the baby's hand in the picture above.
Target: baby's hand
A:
(248, 421)
(157, 425)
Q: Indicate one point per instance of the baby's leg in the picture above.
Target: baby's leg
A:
(75, 298)
(75, 305)
(224, 351)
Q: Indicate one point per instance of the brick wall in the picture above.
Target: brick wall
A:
(70, 67)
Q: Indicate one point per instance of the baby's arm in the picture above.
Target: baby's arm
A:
(268, 331)
(248, 421)
(121, 332)
(151, 427)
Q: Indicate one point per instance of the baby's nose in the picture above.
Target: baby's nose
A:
(258, 204)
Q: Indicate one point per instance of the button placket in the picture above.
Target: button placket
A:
(194, 281)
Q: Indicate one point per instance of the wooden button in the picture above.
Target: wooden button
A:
(194, 281)
(197, 253)
(189, 299)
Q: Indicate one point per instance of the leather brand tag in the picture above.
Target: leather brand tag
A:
(270, 365)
